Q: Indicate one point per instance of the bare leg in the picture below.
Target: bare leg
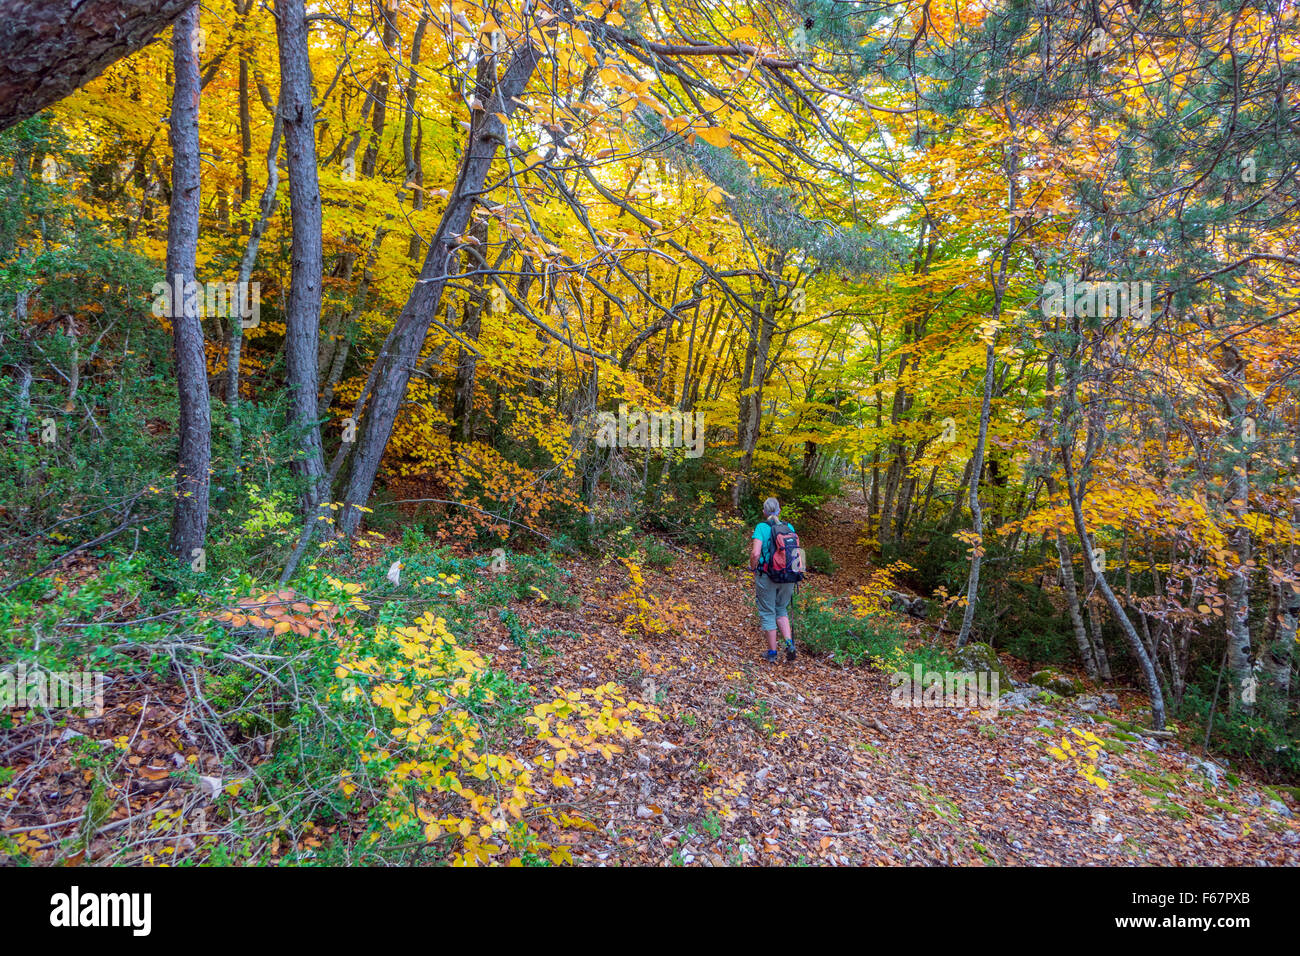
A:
(783, 623)
(771, 637)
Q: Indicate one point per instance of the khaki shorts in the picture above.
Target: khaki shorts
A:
(773, 600)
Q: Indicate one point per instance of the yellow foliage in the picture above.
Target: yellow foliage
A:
(1083, 761)
(441, 769)
(647, 613)
(870, 598)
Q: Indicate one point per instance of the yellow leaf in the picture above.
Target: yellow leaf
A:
(716, 136)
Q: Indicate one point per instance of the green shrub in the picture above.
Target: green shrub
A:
(820, 560)
(529, 577)
(1253, 737)
(656, 555)
(808, 494)
(822, 628)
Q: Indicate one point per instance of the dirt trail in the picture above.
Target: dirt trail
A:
(810, 762)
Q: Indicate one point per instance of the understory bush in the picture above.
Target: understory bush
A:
(351, 719)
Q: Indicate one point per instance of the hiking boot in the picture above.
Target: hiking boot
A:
(789, 650)
(771, 657)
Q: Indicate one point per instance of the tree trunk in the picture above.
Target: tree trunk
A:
(462, 413)
(379, 115)
(302, 312)
(1011, 166)
(411, 159)
(977, 516)
(1237, 610)
(190, 516)
(1135, 643)
(250, 259)
(339, 355)
(1072, 602)
(1073, 491)
(1277, 659)
(1094, 618)
(48, 50)
(487, 133)
(751, 395)
(245, 113)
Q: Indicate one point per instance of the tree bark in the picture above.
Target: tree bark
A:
(379, 114)
(486, 135)
(190, 515)
(1277, 658)
(1094, 618)
(1066, 562)
(462, 412)
(302, 311)
(1237, 610)
(249, 259)
(48, 50)
(751, 393)
(977, 514)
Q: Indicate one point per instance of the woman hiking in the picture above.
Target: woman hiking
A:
(773, 586)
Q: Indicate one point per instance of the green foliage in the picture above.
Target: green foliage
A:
(583, 534)
(284, 689)
(531, 577)
(643, 549)
(820, 560)
(1252, 737)
(852, 640)
(691, 508)
(807, 495)
(655, 555)
(384, 516)
(1014, 613)
(77, 462)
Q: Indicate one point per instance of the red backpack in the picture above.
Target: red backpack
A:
(787, 564)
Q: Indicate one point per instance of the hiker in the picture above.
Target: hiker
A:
(777, 562)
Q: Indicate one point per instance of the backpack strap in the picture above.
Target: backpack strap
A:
(769, 548)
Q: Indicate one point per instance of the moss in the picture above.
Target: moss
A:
(1057, 683)
(1124, 725)
(1177, 811)
(1156, 784)
(979, 658)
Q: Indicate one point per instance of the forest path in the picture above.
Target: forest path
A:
(808, 761)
